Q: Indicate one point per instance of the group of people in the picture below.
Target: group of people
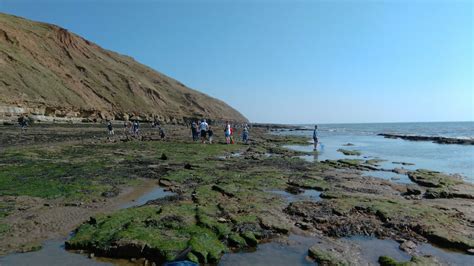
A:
(202, 130)
(199, 130)
(133, 128)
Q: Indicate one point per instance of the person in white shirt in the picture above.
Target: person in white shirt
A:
(227, 132)
(203, 127)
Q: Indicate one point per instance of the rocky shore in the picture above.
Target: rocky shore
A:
(435, 139)
(227, 197)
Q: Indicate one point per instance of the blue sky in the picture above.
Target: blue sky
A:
(293, 61)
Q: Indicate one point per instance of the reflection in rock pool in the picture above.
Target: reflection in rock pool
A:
(156, 193)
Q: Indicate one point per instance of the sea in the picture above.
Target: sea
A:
(447, 158)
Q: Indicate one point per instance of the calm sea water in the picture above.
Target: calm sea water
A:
(454, 159)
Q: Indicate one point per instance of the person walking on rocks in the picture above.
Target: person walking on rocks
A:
(136, 128)
(110, 128)
(162, 133)
(203, 127)
(198, 132)
(194, 131)
(315, 137)
(227, 132)
(22, 121)
(245, 134)
(125, 127)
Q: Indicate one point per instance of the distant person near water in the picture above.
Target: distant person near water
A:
(110, 128)
(203, 127)
(245, 134)
(315, 137)
(210, 134)
(227, 132)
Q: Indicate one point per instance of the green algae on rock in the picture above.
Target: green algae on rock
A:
(415, 260)
(350, 152)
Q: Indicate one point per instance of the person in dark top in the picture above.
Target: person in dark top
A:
(194, 131)
(110, 128)
(162, 132)
(315, 137)
(22, 121)
(136, 128)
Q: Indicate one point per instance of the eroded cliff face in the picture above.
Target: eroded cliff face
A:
(50, 73)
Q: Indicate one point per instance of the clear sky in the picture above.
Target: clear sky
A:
(293, 61)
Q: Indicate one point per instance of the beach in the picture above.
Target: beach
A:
(145, 200)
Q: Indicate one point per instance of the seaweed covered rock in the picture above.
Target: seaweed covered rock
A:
(429, 178)
(155, 233)
(350, 152)
(326, 257)
(415, 260)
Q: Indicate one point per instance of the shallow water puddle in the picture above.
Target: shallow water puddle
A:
(52, 253)
(372, 248)
(292, 253)
(308, 194)
(398, 178)
(450, 257)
